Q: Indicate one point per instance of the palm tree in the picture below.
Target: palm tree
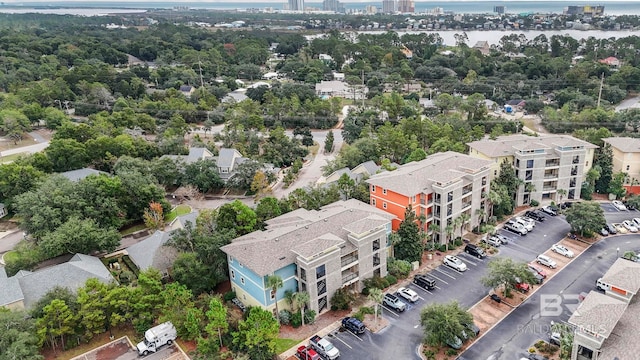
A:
(376, 296)
(561, 193)
(493, 198)
(434, 228)
(457, 222)
(274, 282)
(301, 299)
(480, 213)
(464, 217)
(449, 230)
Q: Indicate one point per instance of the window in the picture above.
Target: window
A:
(450, 196)
(384, 205)
(242, 280)
(384, 191)
(373, 188)
(303, 274)
(528, 175)
(272, 295)
(529, 164)
(373, 202)
(484, 180)
(230, 259)
(376, 259)
(627, 167)
(320, 271)
(495, 172)
(233, 274)
(517, 163)
(376, 244)
(321, 286)
(239, 263)
(413, 199)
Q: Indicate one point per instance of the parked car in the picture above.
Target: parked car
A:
(562, 250)
(475, 250)
(546, 261)
(424, 282)
(618, 205)
(611, 229)
(620, 228)
(604, 231)
(538, 270)
(473, 328)
(522, 286)
(515, 227)
(489, 240)
(555, 338)
(455, 263)
(537, 357)
(629, 225)
(550, 210)
(528, 223)
(535, 215)
(354, 325)
(394, 302)
(539, 278)
(503, 239)
(408, 294)
(636, 222)
(454, 343)
(629, 205)
(307, 353)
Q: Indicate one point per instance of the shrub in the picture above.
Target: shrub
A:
(342, 300)
(532, 350)
(451, 352)
(285, 317)
(309, 316)
(230, 295)
(376, 282)
(398, 268)
(534, 203)
(359, 316)
(458, 242)
(366, 310)
(429, 354)
(442, 247)
(391, 280)
(296, 319)
(126, 277)
(539, 344)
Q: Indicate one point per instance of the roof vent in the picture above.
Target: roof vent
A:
(276, 239)
(306, 226)
(325, 220)
(282, 258)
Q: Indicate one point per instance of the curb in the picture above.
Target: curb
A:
(322, 333)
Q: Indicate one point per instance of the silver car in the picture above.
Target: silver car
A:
(455, 263)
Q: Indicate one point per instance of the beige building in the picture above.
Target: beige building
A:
(626, 157)
(440, 188)
(545, 164)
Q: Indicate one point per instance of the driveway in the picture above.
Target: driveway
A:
(124, 349)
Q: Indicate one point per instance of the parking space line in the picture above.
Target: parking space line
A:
(437, 278)
(468, 258)
(444, 273)
(354, 335)
(418, 287)
(347, 345)
(524, 248)
(390, 310)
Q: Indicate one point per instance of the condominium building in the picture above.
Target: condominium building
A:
(389, 6)
(438, 189)
(406, 6)
(551, 167)
(626, 157)
(319, 252)
(296, 5)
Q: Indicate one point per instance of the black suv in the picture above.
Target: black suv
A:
(475, 250)
(354, 325)
(535, 215)
(424, 282)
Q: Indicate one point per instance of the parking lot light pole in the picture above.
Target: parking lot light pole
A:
(617, 252)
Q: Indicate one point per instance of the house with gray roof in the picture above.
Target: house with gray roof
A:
(227, 160)
(441, 188)
(359, 173)
(546, 164)
(80, 174)
(25, 288)
(317, 251)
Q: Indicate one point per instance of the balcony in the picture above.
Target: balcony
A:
(553, 175)
(466, 205)
(322, 287)
(552, 163)
(437, 200)
(348, 276)
(467, 189)
(549, 188)
(574, 172)
(349, 260)
(576, 160)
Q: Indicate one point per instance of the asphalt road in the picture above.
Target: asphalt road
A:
(400, 340)
(531, 321)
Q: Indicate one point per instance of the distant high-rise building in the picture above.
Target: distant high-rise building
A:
(406, 6)
(332, 5)
(388, 6)
(585, 10)
(371, 9)
(499, 9)
(296, 5)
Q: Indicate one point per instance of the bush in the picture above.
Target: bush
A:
(398, 268)
(366, 310)
(458, 242)
(230, 295)
(376, 282)
(296, 320)
(359, 316)
(532, 350)
(534, 203)
(391, 280)
(429, 354)
(451, 352)
(441, 247)
(126, 277)
(285, 317)
(309, 316)
(342, 300)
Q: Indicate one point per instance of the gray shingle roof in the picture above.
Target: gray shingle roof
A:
(152, 252)
(72, 275)
(508, 144)
(624, 274)
(417, 177)
(11, 291)
(267, 251)
(77, 175)
(227, 157)
(624, 144)
(623, 342)
(598, 313)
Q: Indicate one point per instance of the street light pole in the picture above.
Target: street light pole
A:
(617, 252)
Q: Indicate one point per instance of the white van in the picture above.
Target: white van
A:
(602, 286)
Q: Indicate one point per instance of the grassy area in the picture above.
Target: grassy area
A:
(283, 345)
(177, 211)
(11, 255)
(11, 158)
(132, 229)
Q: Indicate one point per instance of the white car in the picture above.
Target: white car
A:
(455, 263)
(408, 294)
(636, 222)
(559, 249)
(546, 261)
(629, 225)
(528, 224)
(618, 205)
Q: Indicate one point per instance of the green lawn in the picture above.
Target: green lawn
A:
(11, 158)
(132, 229)
(10, 255)
(177, 211)
(283, 345)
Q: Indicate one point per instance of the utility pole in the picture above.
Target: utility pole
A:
(600, 92)
(363, 89)
(200, 68)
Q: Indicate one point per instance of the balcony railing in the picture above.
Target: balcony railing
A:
(349, 260)
(576, 160)
(548, 188)
(437, 200)
(348, 277)
(466, 205)
(376, 246)
(551, 176)
(552, 163)
(574, 172)
(376, 261)
(322, 287)
(466, 190)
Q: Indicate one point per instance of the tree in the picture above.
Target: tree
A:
(258, 334)
(274, 282)
(566, 339)
(376, 296)
(57, 322)
(586, 218)
(92, 314)
(217, 318)
(442, 323)
(79, 236)
(267, 208)
(176, 303)
(154, 216)
(616, 186)
(238, 217)
(19, 339)
(301, 298)
(449, 229)
(328, 142)
(505, 273)
(203, 174)
(603, 158)
(67, 154)
(409, 244)
(260, 185)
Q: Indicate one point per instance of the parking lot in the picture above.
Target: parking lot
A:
(401, 338)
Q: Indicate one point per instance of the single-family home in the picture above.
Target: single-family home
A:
(360, 172)
(483, 47)
(187, 90)
(611, 61)
(80, 174)
(317, 251)
(25, 288)
(341, 89)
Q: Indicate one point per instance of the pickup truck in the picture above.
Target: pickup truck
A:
(354, 325)
(307, 353)
(323, 347)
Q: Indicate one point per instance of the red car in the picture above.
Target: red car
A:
(524, 287)
(307, 353)
(538, 270)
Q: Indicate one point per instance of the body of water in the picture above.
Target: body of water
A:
(512, 7)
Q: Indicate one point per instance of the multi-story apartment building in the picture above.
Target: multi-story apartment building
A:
(296, 5)
(389, 6)
(438, 189)
(626, 157)
(319, 252)
(551, 167)
(406, 6)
